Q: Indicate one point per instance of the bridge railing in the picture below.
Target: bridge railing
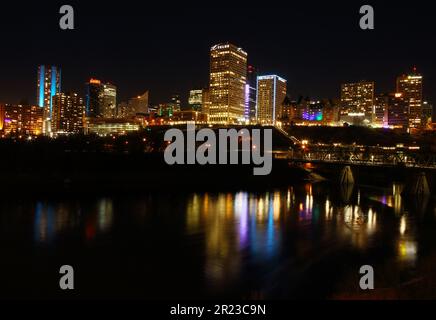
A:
(361, 155)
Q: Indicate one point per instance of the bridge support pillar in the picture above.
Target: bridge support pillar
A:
(419, 185)
(346, 177)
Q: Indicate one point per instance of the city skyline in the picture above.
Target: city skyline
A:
(228, 100)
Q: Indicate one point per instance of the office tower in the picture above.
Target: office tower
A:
(410, 86)
(21, 119)
(68, 113)
(271, 92)
(397, 110)
(101, 99)
(250, 87)
(228, 75)
(94, 99)
(357, 102)
(195, 99)
(48, 84)
(381, 102)
(139, 104)
(109, 100)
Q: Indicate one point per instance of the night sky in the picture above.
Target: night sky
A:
(164, 47)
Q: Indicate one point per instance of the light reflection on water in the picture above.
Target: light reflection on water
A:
(242, 237)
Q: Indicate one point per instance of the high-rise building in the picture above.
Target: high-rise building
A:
(228, 76)
(250, 92)
(101, 99)
(109, 100)
(396, 114)
(94, 99)
(139, 104)
(410, 85)
(271, 92)
(381, 103)
(48, 84)
(357, 102)
(68, 113)
(195, 99)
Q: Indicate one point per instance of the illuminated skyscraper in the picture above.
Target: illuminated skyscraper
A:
(94, 99)
(411, 87)
(68, 113)
(357, 102)
(109, 100)
(101, 99)
(228, 75)
(48, 84)
(271, 92)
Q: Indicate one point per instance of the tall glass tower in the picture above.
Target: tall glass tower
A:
(49, 84)
(271, 92)
(228, 75)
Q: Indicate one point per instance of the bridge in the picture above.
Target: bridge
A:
(382, 156)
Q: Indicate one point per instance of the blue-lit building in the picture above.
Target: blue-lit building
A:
(48, 85)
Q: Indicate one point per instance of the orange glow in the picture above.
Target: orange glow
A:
(94, 81)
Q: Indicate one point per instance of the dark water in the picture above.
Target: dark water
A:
(305, 241)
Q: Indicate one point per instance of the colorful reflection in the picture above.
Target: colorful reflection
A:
(54, 219)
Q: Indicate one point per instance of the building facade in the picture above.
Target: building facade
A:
(271, 92)
(228, 76)
(109, 101)
(68, 113)
(410, 86)
(94, 99)
(139, 104)
(357, 102)
(21, 119)
(101, 99)
(396, 114)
